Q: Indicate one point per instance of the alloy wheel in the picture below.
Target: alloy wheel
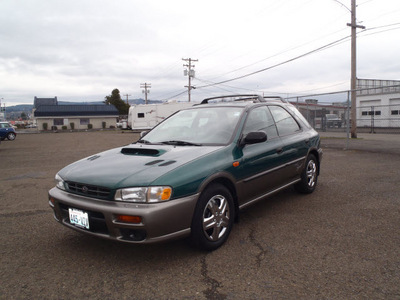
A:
(216, 218)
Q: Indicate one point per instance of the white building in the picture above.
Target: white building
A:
(378, 103)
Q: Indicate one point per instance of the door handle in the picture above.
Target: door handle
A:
(279, 150)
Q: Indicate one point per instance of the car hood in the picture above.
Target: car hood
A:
(132, 165)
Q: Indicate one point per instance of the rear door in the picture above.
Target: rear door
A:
(295, 142)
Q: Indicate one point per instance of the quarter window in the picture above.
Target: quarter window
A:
(284, 121)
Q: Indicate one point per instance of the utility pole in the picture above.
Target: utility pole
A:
(126, 98)
(145, 86)
(353, 82)
(190, 73)
(2, 111)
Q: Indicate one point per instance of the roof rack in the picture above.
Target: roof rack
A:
(242, 97)
(275, 98)
(230, 98)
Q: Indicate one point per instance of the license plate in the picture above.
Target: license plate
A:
(79, 218)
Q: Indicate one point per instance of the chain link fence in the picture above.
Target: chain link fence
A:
(334, 116)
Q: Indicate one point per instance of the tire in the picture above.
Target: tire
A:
(213, 219)
(309, 176)
(11, 136)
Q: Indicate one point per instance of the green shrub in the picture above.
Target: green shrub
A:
(89, 126)
(45, 126)
(72, 125)
(103, 124)
(64, 127)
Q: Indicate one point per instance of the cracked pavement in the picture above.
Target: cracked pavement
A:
(341, 242)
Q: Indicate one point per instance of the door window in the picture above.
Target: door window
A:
(260, 119)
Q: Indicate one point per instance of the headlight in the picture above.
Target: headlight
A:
(59, 182)
(144, 194)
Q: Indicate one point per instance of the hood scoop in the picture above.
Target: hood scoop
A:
(141, 151)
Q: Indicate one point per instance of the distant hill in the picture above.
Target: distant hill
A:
(142, 101)
(20, 107)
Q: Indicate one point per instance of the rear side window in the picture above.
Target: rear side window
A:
(285, 123)
(260, 119)
(299, 116)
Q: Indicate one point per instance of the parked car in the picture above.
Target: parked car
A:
(333, 120)
(7, 131)
(191, 174)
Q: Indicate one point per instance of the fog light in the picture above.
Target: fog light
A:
(129, 219)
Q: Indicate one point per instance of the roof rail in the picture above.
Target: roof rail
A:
(230, 98)
(243, 97)
(275, 98)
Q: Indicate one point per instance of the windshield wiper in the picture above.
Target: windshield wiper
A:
(180, 143)
(143, 142)
(146, 142)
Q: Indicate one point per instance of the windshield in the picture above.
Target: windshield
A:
(198, 126)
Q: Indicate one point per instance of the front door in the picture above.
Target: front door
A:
(261, 168)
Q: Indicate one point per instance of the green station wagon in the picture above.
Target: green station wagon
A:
(191, 174)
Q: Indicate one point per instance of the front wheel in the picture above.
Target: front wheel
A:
(213, 219)
(11, 136)
(309, 176)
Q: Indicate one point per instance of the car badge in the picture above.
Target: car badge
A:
(85, 189)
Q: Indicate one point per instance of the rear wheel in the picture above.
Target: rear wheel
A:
(309, 176)
(213, 218)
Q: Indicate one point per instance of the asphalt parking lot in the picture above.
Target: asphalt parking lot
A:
(341, 242)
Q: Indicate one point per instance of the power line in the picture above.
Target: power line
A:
(279, 64)
(329, 45)
(174, 96)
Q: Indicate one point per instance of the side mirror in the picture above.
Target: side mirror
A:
(254, 138)
(143, 133)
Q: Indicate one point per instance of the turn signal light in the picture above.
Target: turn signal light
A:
(129, 219)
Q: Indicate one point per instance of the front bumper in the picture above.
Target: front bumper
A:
(159, 221)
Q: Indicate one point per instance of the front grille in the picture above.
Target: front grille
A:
(88, 190)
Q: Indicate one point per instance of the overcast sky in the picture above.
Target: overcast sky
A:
(80, 50)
